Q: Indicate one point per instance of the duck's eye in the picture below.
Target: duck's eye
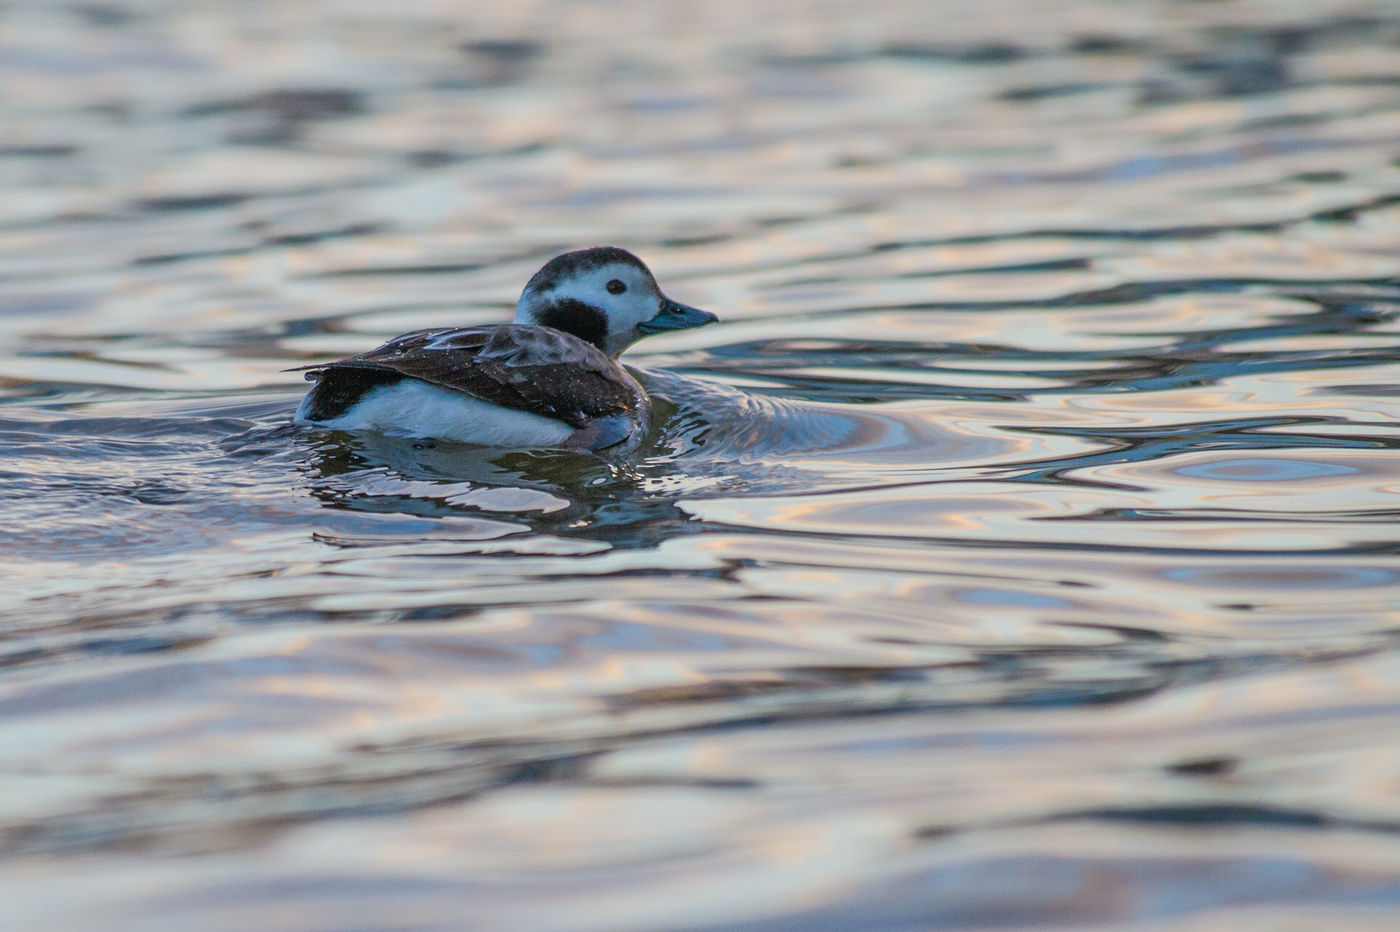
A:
(616, 286)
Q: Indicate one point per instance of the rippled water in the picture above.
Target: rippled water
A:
(1019, 551)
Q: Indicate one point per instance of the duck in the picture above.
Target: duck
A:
(548, 379)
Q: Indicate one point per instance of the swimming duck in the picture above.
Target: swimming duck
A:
(548, 379)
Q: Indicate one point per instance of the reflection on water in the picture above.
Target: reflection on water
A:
(1019, 551)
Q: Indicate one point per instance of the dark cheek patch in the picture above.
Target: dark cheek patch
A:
(582, 320)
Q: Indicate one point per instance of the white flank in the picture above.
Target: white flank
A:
(418, 409)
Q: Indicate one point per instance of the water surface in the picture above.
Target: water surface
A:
(1020, 551)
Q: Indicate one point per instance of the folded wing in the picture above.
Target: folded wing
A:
(535, 369)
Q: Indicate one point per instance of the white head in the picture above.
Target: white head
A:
(605, 296)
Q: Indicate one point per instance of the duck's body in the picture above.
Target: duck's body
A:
(550, 379)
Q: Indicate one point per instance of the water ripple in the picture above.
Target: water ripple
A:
(1025, 530)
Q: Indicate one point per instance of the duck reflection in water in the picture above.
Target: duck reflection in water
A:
(560, 493)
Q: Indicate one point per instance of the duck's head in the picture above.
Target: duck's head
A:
(605, 296)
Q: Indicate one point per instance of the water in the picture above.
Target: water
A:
(1020, 551)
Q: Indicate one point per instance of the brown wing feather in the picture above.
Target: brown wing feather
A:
(536, 369)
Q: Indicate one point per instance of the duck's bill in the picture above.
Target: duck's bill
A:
(675, 316)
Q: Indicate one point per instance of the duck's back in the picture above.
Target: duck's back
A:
(506, 385)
